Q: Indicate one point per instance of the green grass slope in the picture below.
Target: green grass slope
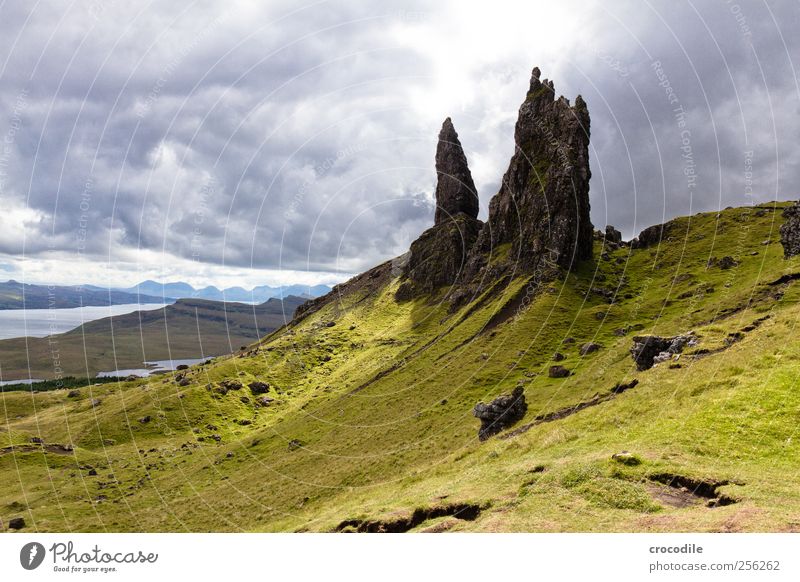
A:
(368, 426)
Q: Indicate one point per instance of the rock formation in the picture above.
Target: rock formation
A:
(650, 236)
(455, 190)
(437, 257)
(542, 207)
(649, 350)
(612, 235)
(790, 231)
(500, 413)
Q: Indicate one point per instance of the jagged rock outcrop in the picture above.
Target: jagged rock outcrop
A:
(500, 413)
(790, 231)
(649, 350)
(455, 190)
(650, 236)
(438, 256)
(612, 235)
(542, 207)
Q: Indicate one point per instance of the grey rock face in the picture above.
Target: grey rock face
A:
(455, 190)
(542, 207)
(500, 413)
(650, 236)
(649, 350)
(612, 235)
(589, 348)
(16, 523)
(558, 372)
(437, 257)
(790, 231)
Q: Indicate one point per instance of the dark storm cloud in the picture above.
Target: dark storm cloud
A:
(289, 137)
(728, 120)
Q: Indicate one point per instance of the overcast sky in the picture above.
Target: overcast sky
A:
(263, 142)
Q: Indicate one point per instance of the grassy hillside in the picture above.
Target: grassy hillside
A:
(189, 328)
(369, 427)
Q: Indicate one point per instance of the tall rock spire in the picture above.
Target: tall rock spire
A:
(542, 207)
(437, 258)
(455, 190)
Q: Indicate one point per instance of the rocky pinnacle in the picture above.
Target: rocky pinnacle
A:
(455, 190)
(542, 207)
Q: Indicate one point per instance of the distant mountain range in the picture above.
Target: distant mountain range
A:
(16, 295)
(181, 290)
(189, 328)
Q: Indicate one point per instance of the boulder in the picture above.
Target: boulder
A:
(265, 401)
(726, 262)
(258, 388)
(648, 350)
(500, 413)
(650, 236)
(558, 372)
(589, 348)
(230, 385)
(790, 231)
(612, 235)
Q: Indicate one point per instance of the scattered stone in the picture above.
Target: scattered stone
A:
(258, 388)
(650, 236)
(649, 350)
(145, 419)
(790, 231)
(500, 413)
(726, 262)
(230, 385)
(330, 324)
(16, 523)
(92, 472)
(131, 378)
(612, 235)
(37, 441)
(244, 400)
(295, 444)
(568, 340)
(558, 357)
(181, 367)
(73, 394)
(229, 456)
(558, 372)
(265, 401)
(244, 422)
(95, 402)
(184, 382)
(589, 348)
